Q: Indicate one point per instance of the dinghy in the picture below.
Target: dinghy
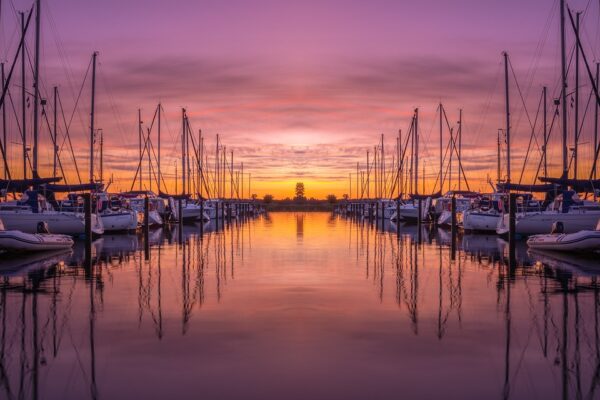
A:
(584, 240)
(17, 241)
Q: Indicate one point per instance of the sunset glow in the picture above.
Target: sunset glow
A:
(298, 91)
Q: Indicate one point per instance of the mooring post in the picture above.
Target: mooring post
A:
(512, 214)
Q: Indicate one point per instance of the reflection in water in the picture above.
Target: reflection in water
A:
(299, 306)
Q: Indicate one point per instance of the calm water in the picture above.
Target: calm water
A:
(299, 306)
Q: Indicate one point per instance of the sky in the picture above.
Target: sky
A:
(299, 90)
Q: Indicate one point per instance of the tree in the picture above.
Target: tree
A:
(331, 199)
(346, 197)
(268, 198)
(254, 196)
(300, 191)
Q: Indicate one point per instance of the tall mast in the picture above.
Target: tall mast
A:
(242, 187)
(383, 189)
(368, 177)
(183, 155)
(595, 117)
(217, 180)
(190, 178)
(140, 147)
(93, 107)
(563, 68)
(36, 89)
(450, 160)
(357, 173)
(459, 148)
(200, 165)
(158, 161)
(400, 162)
(101, 134)
(416, 133)
(576, 131)
(23, 94)
(149, 161)
(545, 148)
(224, 170)
(55, 134)
(249, 184)
(441, 156)
(376, 176)
(231, 178)
(506, 93)
(4, 143)
(498, 156)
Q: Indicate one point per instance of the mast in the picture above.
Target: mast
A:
(249, 183)
(498, 160)
(416, 135)
(242, 174)
(564, 90)
(101, 133)
(158, 161)
(217, 180)
(459, 148)
(507, 116)
(92, 117)
(368, 177)
(149, 161)
(357, 173)
(23, 94)
(595, 117)
(576, 131)
(545, 90)
(441, 156)
(231, 178)
(200, 173)
(183, 155)
(382, 186)
(36, 89)
(400, 163)
(54, 128)
(4, 127)
(140, 147)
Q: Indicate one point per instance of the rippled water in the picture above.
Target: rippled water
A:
(299, 306)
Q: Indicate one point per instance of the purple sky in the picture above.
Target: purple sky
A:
(300, 90)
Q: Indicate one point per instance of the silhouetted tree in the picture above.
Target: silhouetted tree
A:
(331, 199)
(300, 191)
(268, 198)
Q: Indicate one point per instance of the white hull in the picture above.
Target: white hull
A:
(19, 241)
(534, 223)
(65, 223)
(119, 221)
(579, 241)
(480, 221)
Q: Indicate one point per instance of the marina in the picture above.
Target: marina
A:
(299, 200)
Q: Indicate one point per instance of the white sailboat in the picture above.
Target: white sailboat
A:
(25, 214)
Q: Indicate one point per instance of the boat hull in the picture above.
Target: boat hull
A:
(17, 241)
(65, 223)
(535, 223)
(474, 221)
(119, 221)
(579, 241)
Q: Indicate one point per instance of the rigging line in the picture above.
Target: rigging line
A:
(54, 143)
(67, 137)
(79, 94)
(531, 136)
(520, 93)
(455, 150)
(554, 119)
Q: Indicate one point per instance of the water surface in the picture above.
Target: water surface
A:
(299, 306)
